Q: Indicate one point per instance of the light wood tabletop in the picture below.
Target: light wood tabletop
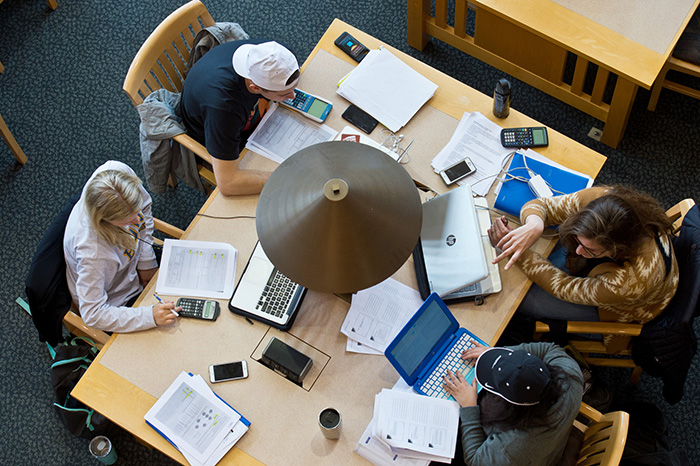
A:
(133, 370)
(565, 52)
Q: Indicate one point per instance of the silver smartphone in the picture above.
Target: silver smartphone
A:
(457, 171)
(228, 371)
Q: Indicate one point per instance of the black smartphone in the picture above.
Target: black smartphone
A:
(360, 118)
(351, 46)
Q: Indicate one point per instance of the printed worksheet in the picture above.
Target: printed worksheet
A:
(478, 138)
(197, 268)
(283, 132)
(417, 426)
(192, 418)
(378, 313)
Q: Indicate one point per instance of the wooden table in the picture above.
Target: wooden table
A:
(537, 40)
(134, 369)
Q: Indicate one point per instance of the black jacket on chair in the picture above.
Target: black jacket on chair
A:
(46, 287)
(667, 344)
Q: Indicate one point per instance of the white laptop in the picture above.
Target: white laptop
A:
(451, 255)
(492, 283)
(265, 294)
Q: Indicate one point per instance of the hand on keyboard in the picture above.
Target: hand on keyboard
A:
(474, 351)
(457, 386)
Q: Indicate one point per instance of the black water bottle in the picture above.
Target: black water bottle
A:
(501, 99)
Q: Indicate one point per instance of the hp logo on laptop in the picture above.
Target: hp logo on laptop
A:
(451, 240)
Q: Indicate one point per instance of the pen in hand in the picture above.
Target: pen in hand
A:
(161, 301)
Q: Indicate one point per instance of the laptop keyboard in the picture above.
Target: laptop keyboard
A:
(277, 294)
(434, 385)
(467, 289)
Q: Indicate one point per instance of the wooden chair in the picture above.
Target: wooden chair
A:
(663, 82)
(12, 142)
(604, 436)
(595, 352)
(161, 62)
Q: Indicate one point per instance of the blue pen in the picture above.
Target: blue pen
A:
(161, 301)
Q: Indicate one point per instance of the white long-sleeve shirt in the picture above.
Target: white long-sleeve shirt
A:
(103, 277)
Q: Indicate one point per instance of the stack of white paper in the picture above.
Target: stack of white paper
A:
(410, 429)
(386, 88)
(379, 453)
(478, 138)
(283, 132)
(196, 421)
(377, 314)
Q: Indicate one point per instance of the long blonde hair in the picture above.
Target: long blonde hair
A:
(112, 196)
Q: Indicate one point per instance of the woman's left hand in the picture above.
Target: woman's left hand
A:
(146, 275)
(457, 386)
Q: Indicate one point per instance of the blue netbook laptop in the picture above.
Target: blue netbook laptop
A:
(429, 344)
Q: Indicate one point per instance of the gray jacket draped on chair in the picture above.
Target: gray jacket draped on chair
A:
(161, 156)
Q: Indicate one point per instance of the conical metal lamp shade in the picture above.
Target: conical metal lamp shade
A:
(339, 217)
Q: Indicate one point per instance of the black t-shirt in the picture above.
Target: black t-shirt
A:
(215, 105)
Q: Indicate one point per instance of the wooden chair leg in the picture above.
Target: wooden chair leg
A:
(658, 85)
(636, 375)
(12, 142)
(53, 4)
(2, 68)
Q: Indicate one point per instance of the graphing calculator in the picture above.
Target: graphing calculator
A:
(205, 309)
(311, 106)
(524, 137)
(351, 46)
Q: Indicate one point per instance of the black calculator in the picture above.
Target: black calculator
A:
(205, 309)
(524, 137)
(351, 46)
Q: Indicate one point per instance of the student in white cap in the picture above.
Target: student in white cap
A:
(531, 395)
(224, 97)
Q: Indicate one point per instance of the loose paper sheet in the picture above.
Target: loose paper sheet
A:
(377, 314)
(283, 132)
(478, 138)
(197, 268)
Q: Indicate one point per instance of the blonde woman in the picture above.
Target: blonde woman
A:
(109, 252)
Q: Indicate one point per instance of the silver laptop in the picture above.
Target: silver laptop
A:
(492, 283)
(265, 294)
(449, 254)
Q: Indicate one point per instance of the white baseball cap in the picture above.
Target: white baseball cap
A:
(269, 65)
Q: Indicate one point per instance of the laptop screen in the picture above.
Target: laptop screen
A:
(421, 337)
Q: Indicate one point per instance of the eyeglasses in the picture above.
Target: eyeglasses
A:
(594, 255)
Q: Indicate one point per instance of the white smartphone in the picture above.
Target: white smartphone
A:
(457, 171)
(228, 371)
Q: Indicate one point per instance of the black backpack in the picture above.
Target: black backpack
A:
(647, 441)
(71, 360)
